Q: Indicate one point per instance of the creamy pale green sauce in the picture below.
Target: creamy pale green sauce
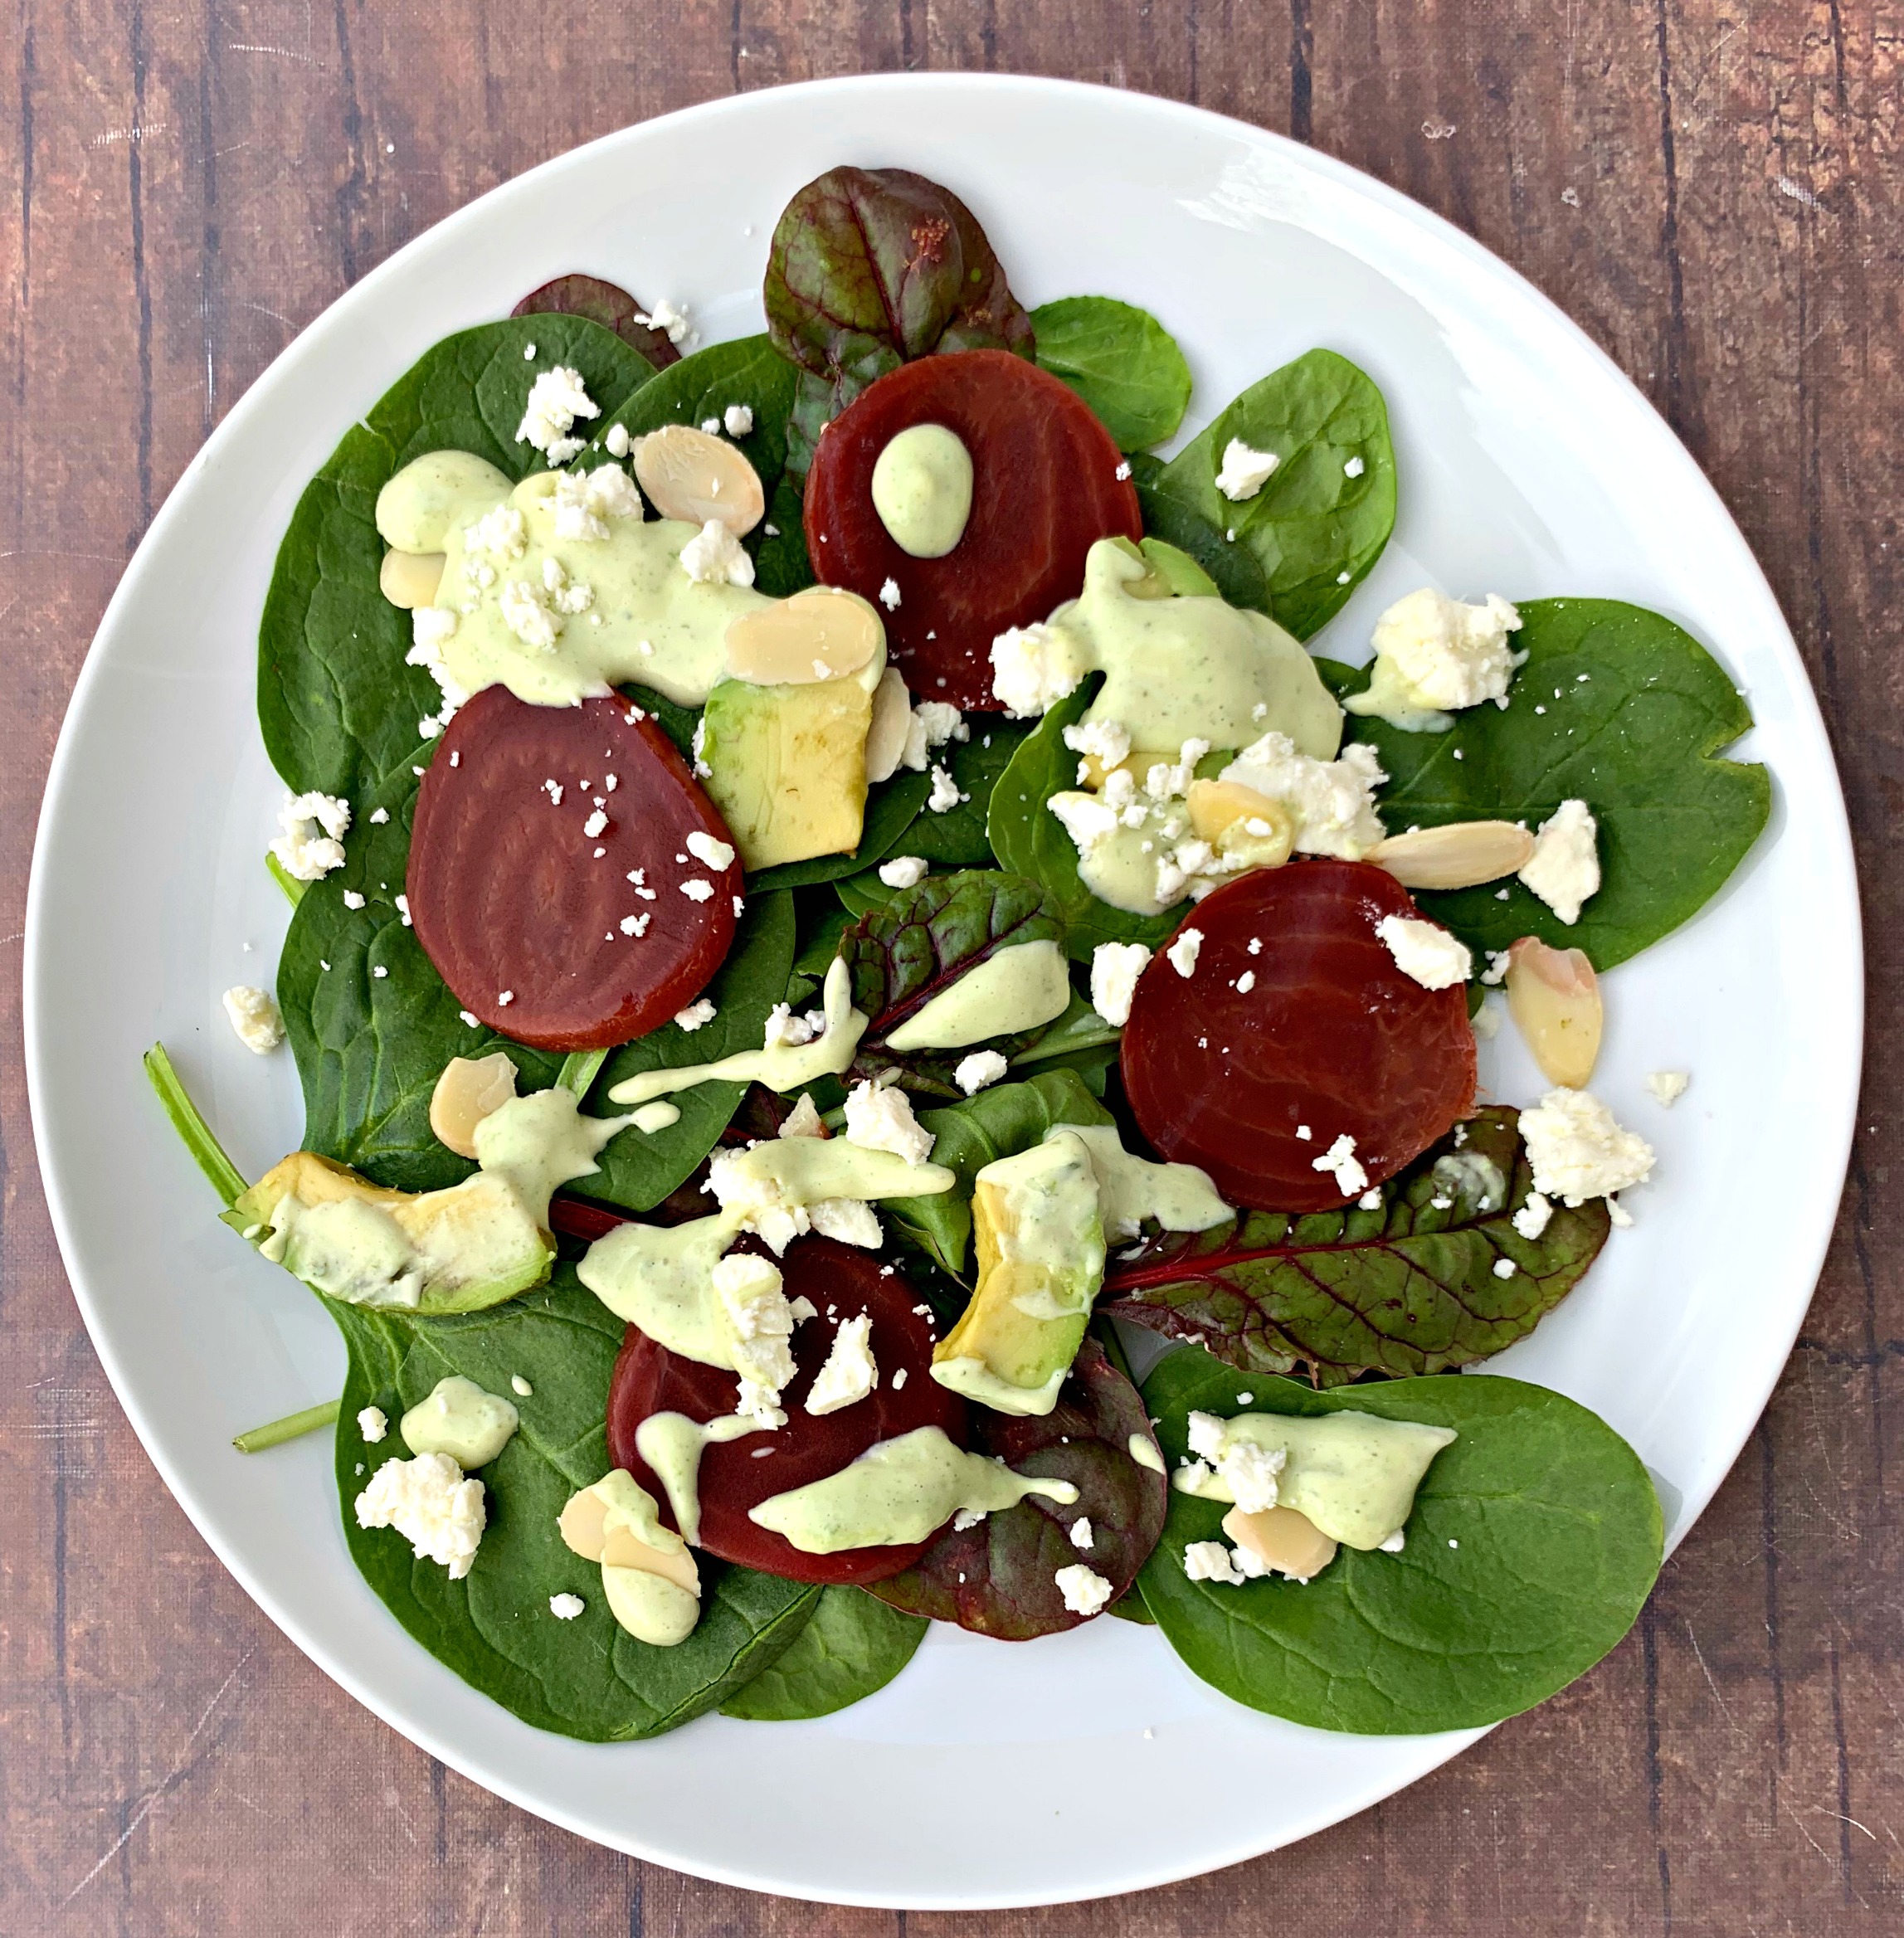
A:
(540, 1141)
(1121, 867)
(1179, 1197)
(648, 621)
(1352, 1473)
(803, 1170)
(1144, 1452)
(1022, 987)
(657, 1277)
(1391, 695)
(651, 1607)
(780, 1066)
(921, 489)
(897, 1492)
(659, 1116)
(460, 1419)
(672, 1445)
(1051, 1219)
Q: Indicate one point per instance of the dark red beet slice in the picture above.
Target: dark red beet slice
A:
(843, 1282)
(1044, 489)
(520, 906)
(1330, 1038)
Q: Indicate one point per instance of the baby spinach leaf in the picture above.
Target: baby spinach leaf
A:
(606, 304)
(369, 1047)
(1080, 1029)
(1170, 513)
(1533, 1541)
(852, 1646)
(1121, 361)
(781, 567)
(639, 1168)
(1029, 840)
(1316, 530)
(957, 839)
(999, 1578)
(998, 1122)
(586, 1677)
(678, 723)
(861, 893)
(869, 268)
(337, 705)
(892, 806)
(1621, 708)
(1408, 1289)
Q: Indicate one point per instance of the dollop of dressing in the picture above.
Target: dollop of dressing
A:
(458, 1417)
(1022, 987)
(658, 1277)
(897, 1492)
(1130, 1190)
(921, 489)
(672, 1445)
(540, 1141)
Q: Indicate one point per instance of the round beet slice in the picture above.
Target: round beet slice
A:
(1045, 487)
(1329, 1038)
(842, 1282)
(547, 862)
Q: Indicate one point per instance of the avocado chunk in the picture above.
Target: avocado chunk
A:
(458, 1250)
(1040, 1241)
(786, 765)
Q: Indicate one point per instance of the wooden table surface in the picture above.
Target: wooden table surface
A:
(1711, 187)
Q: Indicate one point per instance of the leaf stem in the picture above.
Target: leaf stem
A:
(293, 1426)
(226, 1180)
(579, 1070)
(293, 888)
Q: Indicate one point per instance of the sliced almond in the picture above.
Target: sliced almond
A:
(816, 634)
(1461, 855)
(583, 1524)
(467, 1090)
(1248, 830)
(1554, 998)
(1282, 1539)
(410, 579)
(891, 721)
(692, 475)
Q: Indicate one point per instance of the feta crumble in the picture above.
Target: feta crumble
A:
(889, 595)
(803, 1120)
(932, 723)
(556, 399)
(431, 1505)
(706, 848)
(565, 1608)
(849, 1373)
(1505, 1267)
(256, 1018)
(525, 610)
(850, 1221)
(696, 1014)
(1668, 1086)
(373, 1423)
(1209, 1561)
(312, 843)
(757, 1322)
(1107, 742)
(1425, 951)
(1080, 1533)
(714, 556)
(1533, 1217)
(1249, 1471)
(1577, 1150)
(1244, 471)
(945, 795)
(1339, 1158)
(668, 318)
(902, 871)
(1033, 667)
(738, 419)
(783, 1026)
(1564, 869)
(1115, 968)
(584, 501)
(1447, 654)
(882, 1120)
(1182, 953)
(981, 1068)
(1332, 802)
(696, 890)
(1085, 1591)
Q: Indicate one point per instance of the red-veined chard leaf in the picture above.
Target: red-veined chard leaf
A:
(1409, 1289)
(606, 304)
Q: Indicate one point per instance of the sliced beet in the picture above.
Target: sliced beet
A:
(1330, 1038)
(1045, 487)
(842, 1282)
(518, 893)
(1000, 1577)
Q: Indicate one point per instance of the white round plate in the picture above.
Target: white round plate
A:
(989, 1774)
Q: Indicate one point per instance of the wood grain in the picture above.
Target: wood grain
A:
(1713, 188)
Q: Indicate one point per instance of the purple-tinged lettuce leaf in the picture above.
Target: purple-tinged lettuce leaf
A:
(999, 1577)
(606, 304)
(1406, 1289)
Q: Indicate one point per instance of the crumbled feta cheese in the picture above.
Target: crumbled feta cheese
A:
(902, 871)
(1115, 968)
(1425, 951)
(1339, 1158)
(975, 1072)
(1496, 972)
(616, 441)
(852, 1221)
(1353, 468)
(1369, 1201)
(1086, 818)
(882, 1120)
(738, 419)
(635, 925)
(472, 1020)
(1564, 869)
(500, 534)
(525, 611)
(1107, 742)
(1244, 471)
(373, 1423)
(1331, 802)
(1033, 667)
(312, 843)
(713, 556)
(1505, 1267)
(1577, 1151)
(1248, 1470)
(1085, 1590)
(945, 794)
(1165, 781)
(706, 848)
(803, 1120)
(1450, 654)
(1209, 1561)
(671, 321)
(758, 1324)
(931, 724)
(1668, 1086)
(565, 1608)
(1533, 1217)
(254, 1017)
(379, 816)
(1182, 953)
(430, 1503)
(711, 427)
(697, 890)
(556, 399)
(694, 1015)
(889, 595)
(517, 1384)
(595, 824)
(849, 1373)
(783, 1026)
(964, 1518)
(584, 501)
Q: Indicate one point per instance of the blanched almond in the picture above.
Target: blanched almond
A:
(410, 579)
(1461, 855)
(1554, 998)
(891, 721)
(1247, 829)
(816, 634)
(1282, 1539)
(583, 1524)
(467, 1090)
(692, 475)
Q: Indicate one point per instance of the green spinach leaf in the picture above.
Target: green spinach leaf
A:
(852, 1646)
(337, 706)
(892, 807)
(1315, 529)
(782, 567)
(586, 1678)
(678, 723)
(640, 1168)
(1621, 708)
(1121, 361)
(1170, 514)
(1406, 1289)
(957, 839)
(1029, 840)
(1535, 1539)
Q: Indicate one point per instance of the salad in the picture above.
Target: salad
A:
(844, 907)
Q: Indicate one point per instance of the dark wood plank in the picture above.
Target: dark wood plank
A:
(1713, 191)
